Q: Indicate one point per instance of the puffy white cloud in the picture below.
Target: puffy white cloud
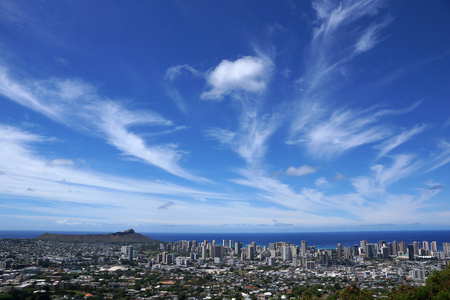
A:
(300, 171)
(248, 74)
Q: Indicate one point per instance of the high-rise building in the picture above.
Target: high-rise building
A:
(355, 250)
(446, 249)
(170, 257)
(237, 248)
(425, 246)
(363, 244)
(127, 252)
(339, 250)
(130, 253)
(371, 250)
(303, 246)
(272, 246)
(286, 252)
(348, 252)
(411, 252)
(211, 250)
(434, 246)
(295, 261)
(325, 259)
(218, 251)
(403, 246)
(250, 252)
(416, 248)
(395, 248)
(294, 250)
(230, 243)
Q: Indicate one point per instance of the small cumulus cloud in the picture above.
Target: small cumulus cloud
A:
(61, 162)
(248, 74)
(167, 205)
(300, 171)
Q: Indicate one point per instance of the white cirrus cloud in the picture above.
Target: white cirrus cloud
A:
(255, 129)
(19, 164)
(403, 165)
(78, 104)
(174, 72)
(333, 46)
(247, 74)
(399, 139)
(330, 133)
(370, 37)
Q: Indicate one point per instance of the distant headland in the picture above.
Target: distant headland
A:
(126, 236)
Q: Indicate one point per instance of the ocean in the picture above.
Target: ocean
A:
(322, 240)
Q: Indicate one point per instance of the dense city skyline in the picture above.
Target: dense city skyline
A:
(224, 116)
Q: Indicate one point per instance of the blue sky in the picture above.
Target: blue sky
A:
(213, 116)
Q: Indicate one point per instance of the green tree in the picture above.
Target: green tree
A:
(353, 292)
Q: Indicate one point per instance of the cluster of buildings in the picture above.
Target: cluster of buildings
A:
(205, 270)
(302, 255)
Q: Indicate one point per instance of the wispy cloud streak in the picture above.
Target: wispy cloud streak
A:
(78, 105)
(397, 140)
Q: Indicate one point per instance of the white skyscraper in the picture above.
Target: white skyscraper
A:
(434, 246)
(446, 249)
(286, 253)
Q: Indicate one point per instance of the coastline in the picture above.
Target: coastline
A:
(322, 240)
